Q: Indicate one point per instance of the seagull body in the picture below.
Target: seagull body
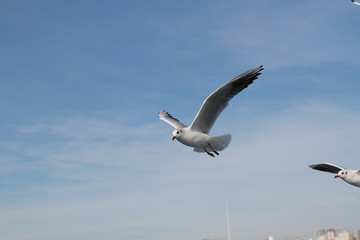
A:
(348, 175)
(196, 135)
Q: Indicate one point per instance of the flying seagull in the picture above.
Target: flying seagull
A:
(355, 2)
(348, 175)
(196, 135)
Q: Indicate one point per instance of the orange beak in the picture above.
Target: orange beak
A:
(173, 138)
(336, 176)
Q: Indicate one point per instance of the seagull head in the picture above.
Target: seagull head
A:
(176, 133)
(341, 174)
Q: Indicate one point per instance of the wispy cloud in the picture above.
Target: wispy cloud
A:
(150, 179)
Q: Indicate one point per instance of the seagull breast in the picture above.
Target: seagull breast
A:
(193, 138)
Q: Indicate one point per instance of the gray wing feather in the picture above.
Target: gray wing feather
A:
(165, 116)
(216, 102)
(326, 167)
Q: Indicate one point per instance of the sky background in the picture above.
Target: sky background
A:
(83, 155)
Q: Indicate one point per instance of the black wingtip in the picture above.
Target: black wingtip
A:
(261, 68)
(162, 112)
(257, 70)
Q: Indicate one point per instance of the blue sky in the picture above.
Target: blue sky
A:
(84, 156)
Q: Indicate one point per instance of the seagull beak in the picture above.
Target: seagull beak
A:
(173, 138)
(336, 176)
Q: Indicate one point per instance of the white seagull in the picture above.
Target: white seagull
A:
(196, 135)
(348, 175)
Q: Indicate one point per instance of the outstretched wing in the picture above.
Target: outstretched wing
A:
(355, 2)
(327, 167)
(165, 116)
(216, 102)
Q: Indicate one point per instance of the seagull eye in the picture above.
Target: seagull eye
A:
(177, 132)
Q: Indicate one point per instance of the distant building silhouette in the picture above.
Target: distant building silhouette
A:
(334, 234)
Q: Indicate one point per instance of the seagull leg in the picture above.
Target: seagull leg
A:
(208, 152)
(213, 150)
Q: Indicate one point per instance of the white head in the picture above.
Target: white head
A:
(176, 133)
(342, 174)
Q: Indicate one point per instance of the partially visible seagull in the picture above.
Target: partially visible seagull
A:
(355, 2)
(196, 135)
(348, 175)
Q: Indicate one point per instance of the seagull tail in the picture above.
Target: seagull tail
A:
(218, 143)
